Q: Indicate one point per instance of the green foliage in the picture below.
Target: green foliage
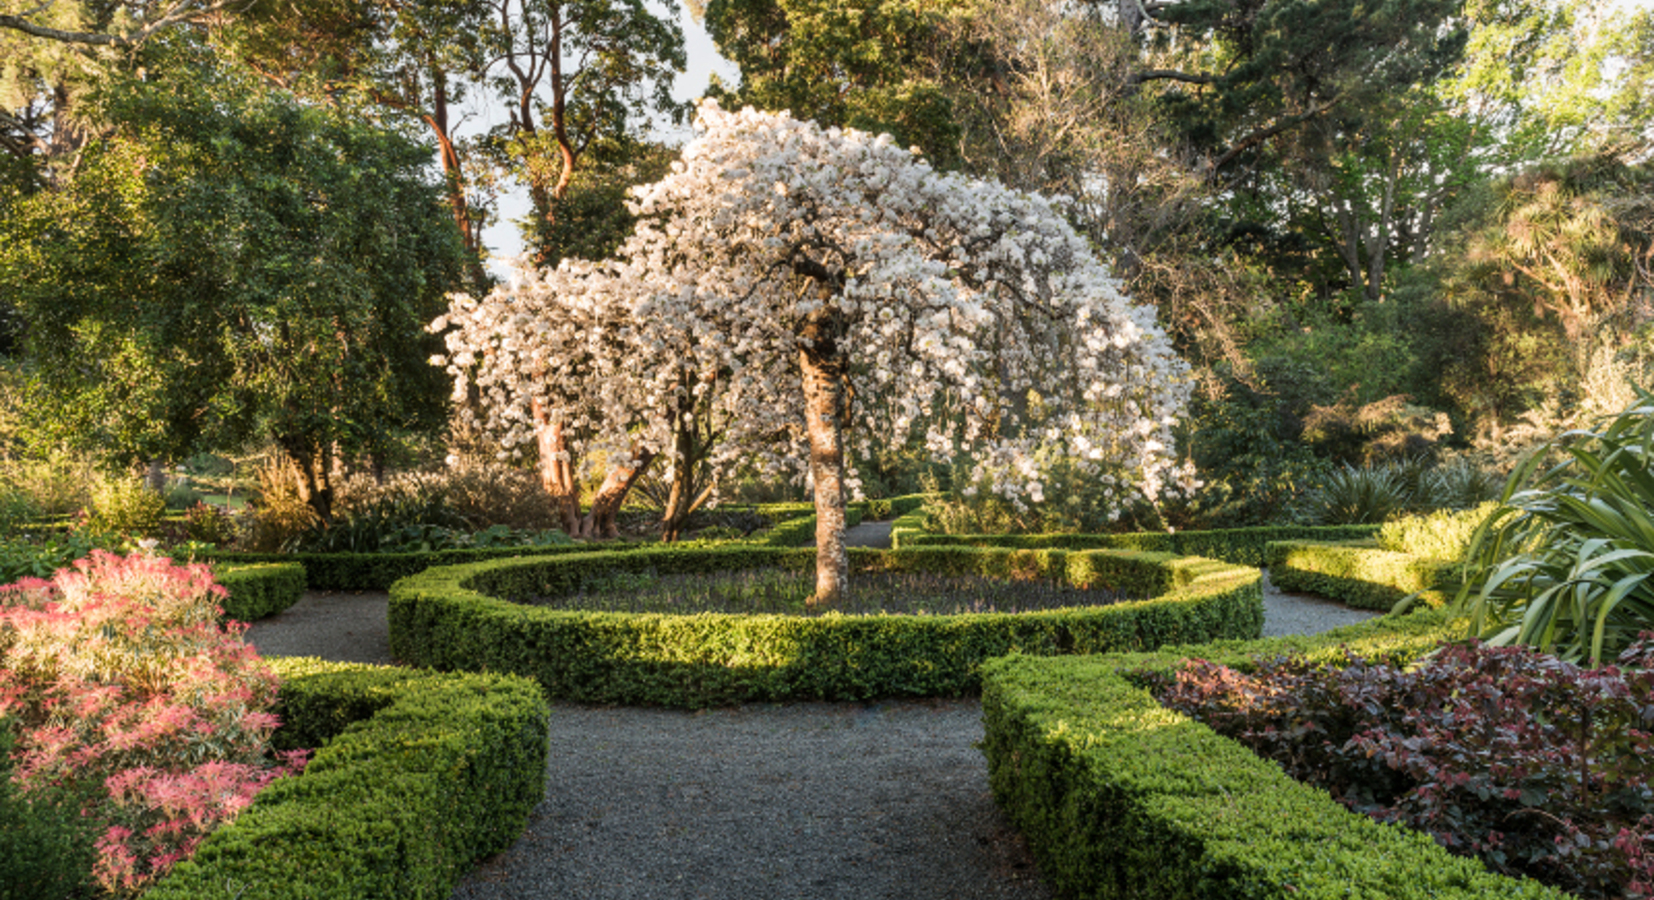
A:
(1360, 575)
(24, 558)
(233, 262)
(1237, 546)
(1361, 496)
(449, 618)
(418, 776)
(1120, 797)
(125, 506)
(378, 571)
(1443, 534)
(56, 484)
(858, 64)
(259, 590)
(46, 850)
(209, 523)
(1564, 563)
(1245, 446)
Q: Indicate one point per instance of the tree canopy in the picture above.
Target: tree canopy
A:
(816, 272)
(232, 263)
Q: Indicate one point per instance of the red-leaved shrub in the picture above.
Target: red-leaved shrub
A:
(1534, 765)
(127, 685)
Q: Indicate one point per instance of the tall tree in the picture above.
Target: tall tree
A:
(233, 262)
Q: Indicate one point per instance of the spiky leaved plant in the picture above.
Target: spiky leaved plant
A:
(1564, 564)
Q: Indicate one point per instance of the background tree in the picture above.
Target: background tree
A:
(232, 262)
(863, 64)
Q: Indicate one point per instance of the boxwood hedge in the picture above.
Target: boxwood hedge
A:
(378, 571)
(1241, 546)
(1122, 798)
(453, 618)
(1359, 574)
(261, 589)
(417, 776)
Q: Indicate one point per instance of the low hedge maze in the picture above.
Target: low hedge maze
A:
(454, 618)
(418, 775)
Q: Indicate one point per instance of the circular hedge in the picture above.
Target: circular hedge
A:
(455, 618)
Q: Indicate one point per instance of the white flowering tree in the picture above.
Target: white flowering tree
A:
(801, 269)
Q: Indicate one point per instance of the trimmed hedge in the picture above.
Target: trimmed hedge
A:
(1359, 574)
(1120, 797)
(799, 529)
(1241, 546)
(378, 571)
(417, 777)
(260, 590)
(451, 618)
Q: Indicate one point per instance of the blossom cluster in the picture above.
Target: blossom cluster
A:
(967, 315)
(123, 679)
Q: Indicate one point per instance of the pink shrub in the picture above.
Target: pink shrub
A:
(124, 679)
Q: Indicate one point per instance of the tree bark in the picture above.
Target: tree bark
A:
(825, 408)
(557, 470)
(314, 465)
(600, 521)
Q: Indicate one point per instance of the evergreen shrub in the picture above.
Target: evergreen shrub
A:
(259, 589)
(1239, 546)
(417, 776)
(453, 618)
(1359, 574)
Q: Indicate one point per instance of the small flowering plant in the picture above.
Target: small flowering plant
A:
(130, 687)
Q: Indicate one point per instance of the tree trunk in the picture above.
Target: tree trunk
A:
(155, 476)
(825, 408)
(314, 465)
(557, 470)
(600, 521)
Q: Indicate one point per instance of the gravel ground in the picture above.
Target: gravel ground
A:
(779, 801)
(796, 801)
(340, 626)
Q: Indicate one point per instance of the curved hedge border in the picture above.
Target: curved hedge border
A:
(450, 618)
(261, 589)
(1241, 546)
(419, 775)
(1358, 574)
(378, 571)
(1120, 797)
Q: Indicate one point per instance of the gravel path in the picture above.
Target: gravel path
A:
(796, 801)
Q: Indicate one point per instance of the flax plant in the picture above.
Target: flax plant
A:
(1564, 563)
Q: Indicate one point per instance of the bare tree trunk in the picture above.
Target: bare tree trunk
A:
(825, 408)
(600, 521)
(557, 470)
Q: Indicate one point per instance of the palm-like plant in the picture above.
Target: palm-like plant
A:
(1566, 563)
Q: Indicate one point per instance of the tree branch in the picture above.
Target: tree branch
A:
(1264, 134)
(1170, 75)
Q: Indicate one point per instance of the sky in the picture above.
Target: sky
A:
(502, 239)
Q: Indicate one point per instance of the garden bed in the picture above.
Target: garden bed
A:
(454, 617)
(1120, 797)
